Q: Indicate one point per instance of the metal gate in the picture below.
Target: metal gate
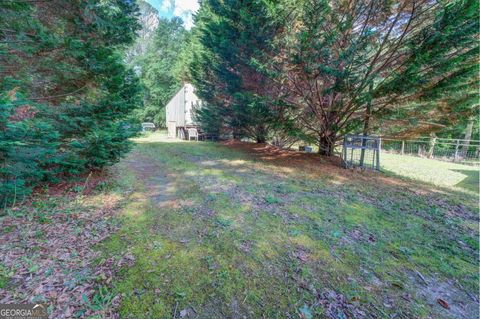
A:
(362, 151)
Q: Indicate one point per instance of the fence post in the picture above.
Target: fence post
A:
(345, 151)
(455, 158)
(362, 151)
(431, 148)
(402, 150)
(379, 148)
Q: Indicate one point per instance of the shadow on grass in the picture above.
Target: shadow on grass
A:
(471, 180)
(249, 238)
(313, 163)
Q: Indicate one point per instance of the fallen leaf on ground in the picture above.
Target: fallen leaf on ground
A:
(443, 303)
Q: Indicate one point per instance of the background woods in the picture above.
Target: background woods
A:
(160, 67)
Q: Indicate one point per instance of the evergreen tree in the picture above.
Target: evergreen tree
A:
(64, 91)
(437, 86)
(161, 70)
(342, 62)
(233, 37)
(336, 66)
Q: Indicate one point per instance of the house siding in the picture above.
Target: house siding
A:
(175, 109)
(191, 100)
(180, 107)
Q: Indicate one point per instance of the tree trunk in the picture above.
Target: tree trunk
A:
(366, 128)
(366, 125)
(261, 135)
(326, 145)
(431, 147)
(261, 139)
(234, 134)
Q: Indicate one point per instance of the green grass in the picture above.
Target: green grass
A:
(4, 277)
(227, 236)
(439, 173)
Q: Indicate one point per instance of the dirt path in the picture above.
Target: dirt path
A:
(159, 185)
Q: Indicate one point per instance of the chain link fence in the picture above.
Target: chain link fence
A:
(452, 150)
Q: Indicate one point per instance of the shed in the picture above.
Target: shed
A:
(179, 115)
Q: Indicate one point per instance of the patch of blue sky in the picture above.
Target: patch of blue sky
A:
(165, 11)
(179, 8)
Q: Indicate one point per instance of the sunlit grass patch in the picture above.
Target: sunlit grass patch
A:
(439, 173)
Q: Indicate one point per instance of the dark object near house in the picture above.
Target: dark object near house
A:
(304, 148)
(148, 127)
(361, 151)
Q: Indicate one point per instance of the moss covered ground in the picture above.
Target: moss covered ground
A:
(220, 232)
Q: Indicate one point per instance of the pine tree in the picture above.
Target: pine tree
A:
(341, 62)
(232, 37)
(64, 91)
(336, 67)
(438, 84)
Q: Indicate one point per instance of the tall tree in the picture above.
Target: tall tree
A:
(437, 85)
(160, 69)
(64, 91)
(232, 36)
(340, 62)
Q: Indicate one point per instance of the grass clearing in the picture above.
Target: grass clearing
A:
(205, 230)
(444, 174)
(217, 232)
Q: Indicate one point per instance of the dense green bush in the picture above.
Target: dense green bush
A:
(27, 149)
(66, 93)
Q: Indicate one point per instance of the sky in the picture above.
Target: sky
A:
(180, 8)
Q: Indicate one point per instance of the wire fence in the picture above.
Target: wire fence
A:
(361, 151)
(452, 150)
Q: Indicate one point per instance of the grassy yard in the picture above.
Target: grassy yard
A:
(204, 230)
(443, 174)
(219, 233)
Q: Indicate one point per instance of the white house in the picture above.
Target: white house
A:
(179, 115)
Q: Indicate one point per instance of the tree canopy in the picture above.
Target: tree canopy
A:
(328, 68)
(158, 56)
(160, 69)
